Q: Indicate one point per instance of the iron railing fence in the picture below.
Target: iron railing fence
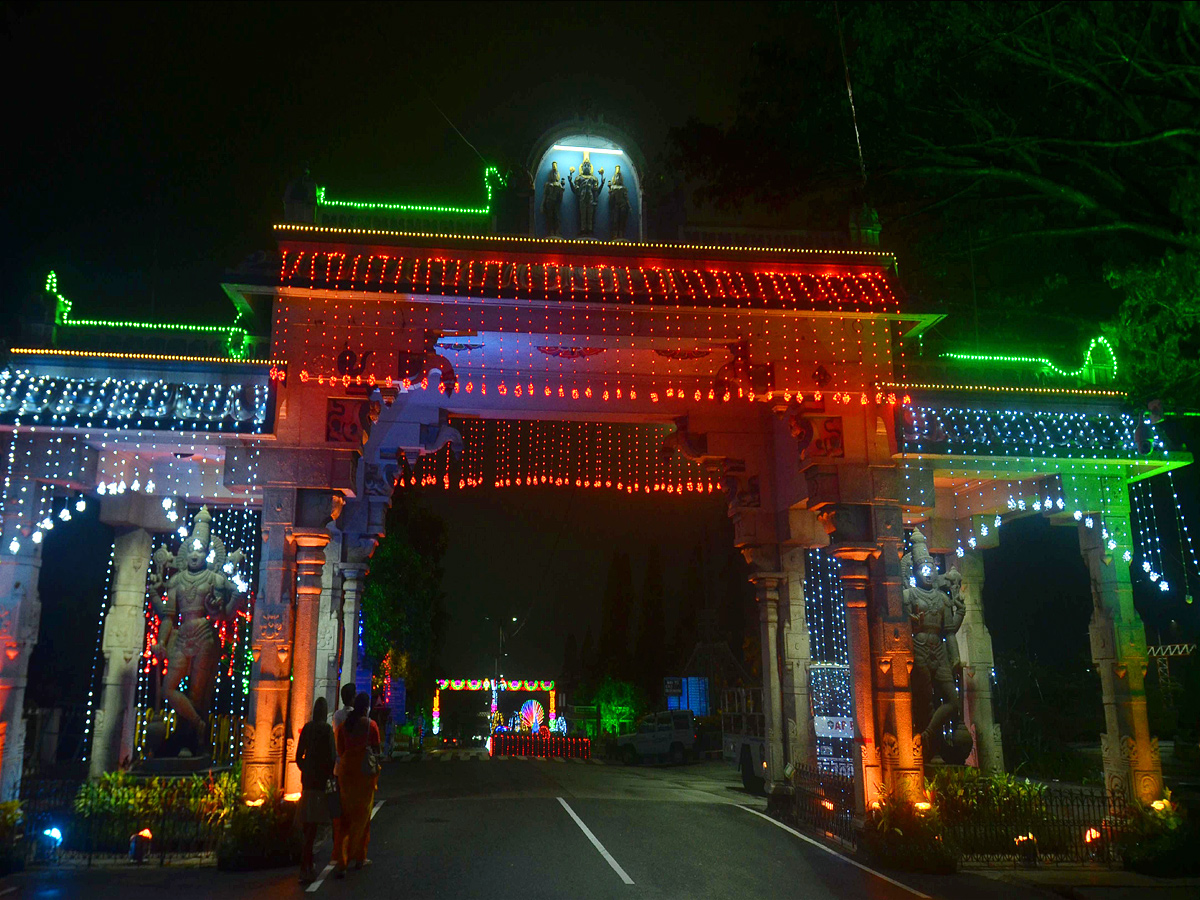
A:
(541, 745)
(1049, 826)
(824, 802)
(176, 827)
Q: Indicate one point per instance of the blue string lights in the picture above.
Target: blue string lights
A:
(67, 402)
(829, 672)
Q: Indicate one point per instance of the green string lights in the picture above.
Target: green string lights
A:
(1040, 360)
(490, 174)
(237, 342)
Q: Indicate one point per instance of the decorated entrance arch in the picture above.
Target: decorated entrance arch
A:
(391, 343)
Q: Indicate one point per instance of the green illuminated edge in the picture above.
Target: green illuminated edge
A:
(236, 343)
(1040, 361)
(489, 174)
(1020, 467)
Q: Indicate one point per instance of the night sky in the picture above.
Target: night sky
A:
(149, 147)
(155, 143)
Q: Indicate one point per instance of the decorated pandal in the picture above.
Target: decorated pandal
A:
(531, 720)
(548, 344)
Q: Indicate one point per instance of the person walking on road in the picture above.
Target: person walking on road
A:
(339, 717)
(315, 757)
(358, 773)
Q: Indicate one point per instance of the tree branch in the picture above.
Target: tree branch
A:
(1190, 242)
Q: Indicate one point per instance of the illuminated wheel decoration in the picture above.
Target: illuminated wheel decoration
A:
(532, 715)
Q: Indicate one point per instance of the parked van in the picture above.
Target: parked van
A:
(668, 735)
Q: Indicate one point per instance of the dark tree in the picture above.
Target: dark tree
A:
(587, 656)
(649, 656)
(403, 610)
(615, 612)
(1033, 163)
(571, 667)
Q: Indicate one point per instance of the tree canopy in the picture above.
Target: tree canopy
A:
(403, 614)
(1034, 164)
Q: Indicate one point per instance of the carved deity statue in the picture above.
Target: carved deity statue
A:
(618, 205)
(188, 603)
(552, 195)
(586, 187)
(935, 608)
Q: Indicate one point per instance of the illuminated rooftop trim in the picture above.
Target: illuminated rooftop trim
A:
(1005, 389)
(155, 357)
(883, 257)
(62, 318)
(490, 173)
(1040, 361)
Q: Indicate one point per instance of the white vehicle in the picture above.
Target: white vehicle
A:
(667, 735)
(744, 735)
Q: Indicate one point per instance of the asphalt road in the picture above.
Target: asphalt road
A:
(459, 825)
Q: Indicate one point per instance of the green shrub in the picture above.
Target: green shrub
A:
(210, 799)
(260, 837)
(1159, 840)
(960, 793)
(12, 855)
(898, 835)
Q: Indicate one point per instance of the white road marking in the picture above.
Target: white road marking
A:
(320, 878)
(329, 868)
(595, 843)
(833, 852)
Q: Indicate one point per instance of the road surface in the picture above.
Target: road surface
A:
(460, 825)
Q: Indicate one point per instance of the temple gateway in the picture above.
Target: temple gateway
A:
(542, 338)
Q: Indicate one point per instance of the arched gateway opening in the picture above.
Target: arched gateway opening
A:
(386, 341)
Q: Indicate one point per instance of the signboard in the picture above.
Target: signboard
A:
(673, 686)
(833, 726)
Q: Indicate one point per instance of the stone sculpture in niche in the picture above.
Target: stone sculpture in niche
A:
(187, 603)
(586, 187)
(935, 608)
(552, 195)
(618, 205)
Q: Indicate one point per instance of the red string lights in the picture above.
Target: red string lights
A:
(506, 453)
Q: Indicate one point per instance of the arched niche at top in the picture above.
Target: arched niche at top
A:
(607, 148)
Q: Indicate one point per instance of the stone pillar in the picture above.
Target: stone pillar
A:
(124, 633)
(20, 614)
(310, 565)
(975, 649)
(354, 575)
(868, 773)
(1132, 766)
(867, 540)
(328, 629)
(766, 586)
(797, 707)
(270, 648)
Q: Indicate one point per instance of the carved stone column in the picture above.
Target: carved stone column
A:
(766, 586)
(867, 538)
(328, 629)
(797, 654)
(868, 773)
(1131, 760)
(310, 564)
(270, 648)
(124, 632)
(975, 649)
(354, 576)
(20, 613)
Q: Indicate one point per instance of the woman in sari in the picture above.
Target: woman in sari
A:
(357, 777)
(315, 758)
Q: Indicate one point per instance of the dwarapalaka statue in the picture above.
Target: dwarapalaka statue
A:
(935, 608)
(618, 205)
(187, 604)
(586, 187)
(552, 195)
